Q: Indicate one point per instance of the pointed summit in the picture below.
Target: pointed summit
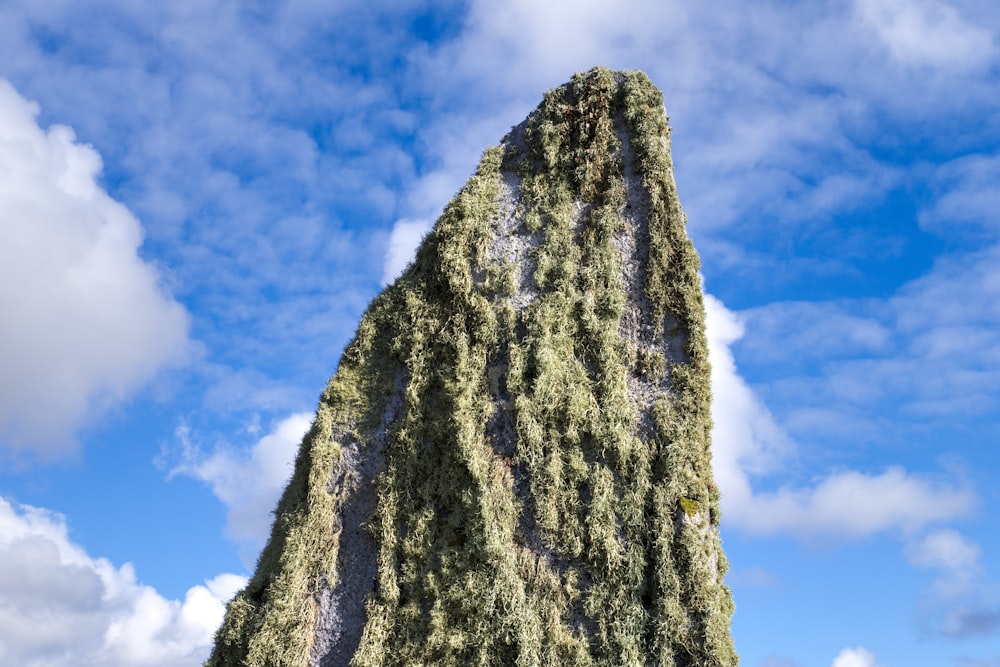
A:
(511, 465)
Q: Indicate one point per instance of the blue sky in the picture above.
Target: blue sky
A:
(198, 199)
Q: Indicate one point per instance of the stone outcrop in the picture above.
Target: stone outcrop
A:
(511, 465)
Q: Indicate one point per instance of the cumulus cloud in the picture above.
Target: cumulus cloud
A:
(748, 442)
(248, 482)
(854, 657)
(926, 32)
(406, 236)
(60, 607)
(86, 320)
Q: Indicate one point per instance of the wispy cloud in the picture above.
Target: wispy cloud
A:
(771, 131)
(970, 622)
(849, 365)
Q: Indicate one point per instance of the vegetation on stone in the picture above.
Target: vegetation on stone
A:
(511, 465)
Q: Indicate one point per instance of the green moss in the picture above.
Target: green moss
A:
(690, 507)
(563, 547)
(502, 279)
(652, 365)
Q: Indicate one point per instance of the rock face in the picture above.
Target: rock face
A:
(511, 465)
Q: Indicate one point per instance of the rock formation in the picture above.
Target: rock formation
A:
(511, 465)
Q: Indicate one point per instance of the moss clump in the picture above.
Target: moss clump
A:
(690, 507)
(652, 365)
(502, 279)
(525, 515)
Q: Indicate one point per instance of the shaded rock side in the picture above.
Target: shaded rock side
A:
(511, 465)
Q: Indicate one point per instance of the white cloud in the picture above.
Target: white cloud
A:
(926, 32)
(944, 550)
(854, 657)
(86, 320)
(406, 236)
(59, 607)
(855, 504)
(248, 483)
(748, 442)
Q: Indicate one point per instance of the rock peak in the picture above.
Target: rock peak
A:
(511, 465)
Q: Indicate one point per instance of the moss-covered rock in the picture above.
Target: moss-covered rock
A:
(511, 465)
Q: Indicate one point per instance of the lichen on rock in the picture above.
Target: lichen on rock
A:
(511, 465)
